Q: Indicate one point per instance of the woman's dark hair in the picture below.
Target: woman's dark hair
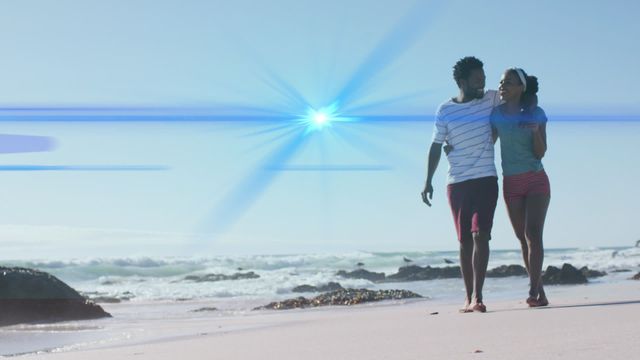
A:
(529, 97)
(462, 69)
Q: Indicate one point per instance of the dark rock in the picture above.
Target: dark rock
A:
(447, 261)
(588, 273)
(304, 288)
(362, 274)
(331, 286)
(564, 276)
(28, 296)
(417, 273)
(205, 309)
(507, 270)
(299, 302)
(636, 276)
(621, 270)
(222, 277)
(106, 299)
(341, 297)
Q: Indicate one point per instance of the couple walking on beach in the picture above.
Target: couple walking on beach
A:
(467, 127)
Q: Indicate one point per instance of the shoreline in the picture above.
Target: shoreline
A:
(592, 321)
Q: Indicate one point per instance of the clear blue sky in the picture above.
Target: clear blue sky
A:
(186, 54)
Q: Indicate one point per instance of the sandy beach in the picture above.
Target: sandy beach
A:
(598, 321)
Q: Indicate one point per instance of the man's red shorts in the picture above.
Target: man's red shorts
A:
(473, 203)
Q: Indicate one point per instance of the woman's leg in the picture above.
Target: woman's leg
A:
(535, 214)
(516, 207)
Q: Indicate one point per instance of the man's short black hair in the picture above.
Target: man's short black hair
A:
(464, 66)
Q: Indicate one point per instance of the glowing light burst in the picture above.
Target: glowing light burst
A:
(318, 119)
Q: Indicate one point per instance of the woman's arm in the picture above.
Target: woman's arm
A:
(538, 126)
(539, 140)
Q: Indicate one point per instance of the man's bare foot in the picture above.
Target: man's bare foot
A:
(536, 302)
(466, 308)
(479, 307)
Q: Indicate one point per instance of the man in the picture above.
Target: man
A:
(463, 123)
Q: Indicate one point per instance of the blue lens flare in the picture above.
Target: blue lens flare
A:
(318, 119)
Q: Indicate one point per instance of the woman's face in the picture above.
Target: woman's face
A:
(510, 86)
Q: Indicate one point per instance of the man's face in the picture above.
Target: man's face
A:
(473, 86)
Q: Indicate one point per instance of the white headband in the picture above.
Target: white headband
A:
(523, 79)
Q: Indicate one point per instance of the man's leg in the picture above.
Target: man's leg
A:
(460, 209)
(484, 202)
(480, 262)
(466, 268)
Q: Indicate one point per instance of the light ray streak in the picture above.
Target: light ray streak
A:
(25, 143)
(278, 137)
(244, 194)
(401, 38)
(89, 168)
(329, 168)
(370, 149)
(286, 125)
(291, 94)
(386, 102)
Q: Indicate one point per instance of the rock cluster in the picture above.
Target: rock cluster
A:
(341, 297)
(417, 273)
(563, 276)
(588, 273)
(205, 309)
(362, 274)
(507, 270)
(553, 275)
(636, 276)
(28, 295)
(331, 286)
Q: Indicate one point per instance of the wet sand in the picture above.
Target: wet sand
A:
(598, 321)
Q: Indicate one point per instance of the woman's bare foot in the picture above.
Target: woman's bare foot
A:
(542, 300)
(542, 297)
(479, 307)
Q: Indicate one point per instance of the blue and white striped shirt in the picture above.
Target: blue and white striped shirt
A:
(466, 127)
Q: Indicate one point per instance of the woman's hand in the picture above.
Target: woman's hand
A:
(533, 125)
(447, 148)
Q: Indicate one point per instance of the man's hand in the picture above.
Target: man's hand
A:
(434, 157)
(427, 194)
(534, 103)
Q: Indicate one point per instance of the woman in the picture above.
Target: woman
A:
(521, 127)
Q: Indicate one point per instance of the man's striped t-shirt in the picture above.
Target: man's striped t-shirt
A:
(466, 127)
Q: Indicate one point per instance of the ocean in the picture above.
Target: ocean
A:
(146, 288)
